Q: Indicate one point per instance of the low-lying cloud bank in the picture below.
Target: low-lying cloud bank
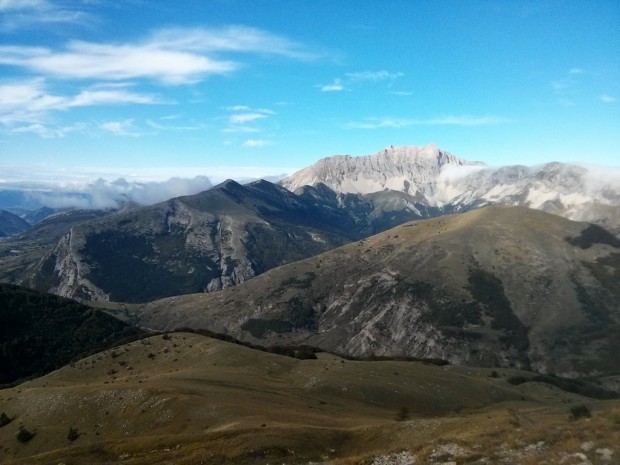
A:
(102, 194)
(99, 194)
(23, 190)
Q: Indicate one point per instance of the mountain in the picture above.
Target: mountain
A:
(198, 243)
(231, 233)
(21, 254)
(11, 224)
(498, 286)
(431, 177)
(410, 169)
(42, 332)
(188, 399)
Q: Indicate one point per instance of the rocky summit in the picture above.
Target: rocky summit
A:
(434, 178)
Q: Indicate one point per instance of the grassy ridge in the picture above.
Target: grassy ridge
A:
(185, 398)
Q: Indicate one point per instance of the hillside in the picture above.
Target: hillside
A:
(185, 399)
(11, 224)
(42, 332)
(499, 286)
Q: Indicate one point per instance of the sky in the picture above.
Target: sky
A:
(149, 90)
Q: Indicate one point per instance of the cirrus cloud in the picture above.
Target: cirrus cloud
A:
(450, 120)
(340, 84)
(170, 56)
(17, 14)
(256, 143)
(29, 102)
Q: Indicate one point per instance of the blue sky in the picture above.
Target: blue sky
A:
(231, 88)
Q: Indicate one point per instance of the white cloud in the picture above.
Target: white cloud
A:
(238, 108)
(173, 127)
(15, 5)
(241, 118)
(607, 98)
(256, 143)
(103, 193)
(451, 173)
(465, 120)
(84, 60)
(240, 129)
(172, 56)
(47, 132)
(335, 86)
(231, 39)
(372, 76)
(340, 84)
(375, 123)
(121, 128)
(451, 120)
(96, 188)
(576, 71)
(17, 14)
(25, 106)
(241, 115)
(110, 97)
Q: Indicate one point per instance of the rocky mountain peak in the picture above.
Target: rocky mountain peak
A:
(407, 169)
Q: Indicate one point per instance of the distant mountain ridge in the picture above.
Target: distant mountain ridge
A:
(432, 177)
(233, 232)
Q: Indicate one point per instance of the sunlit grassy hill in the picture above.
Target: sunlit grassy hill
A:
(186, 398)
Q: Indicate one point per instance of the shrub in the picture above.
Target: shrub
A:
(403, 414)
(73, 434)
(516, 380)
(4, 419)
(580, 411)
(24, 435)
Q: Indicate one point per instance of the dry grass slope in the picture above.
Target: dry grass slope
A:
(187, 399)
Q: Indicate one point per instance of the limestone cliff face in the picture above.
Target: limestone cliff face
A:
(70, 271)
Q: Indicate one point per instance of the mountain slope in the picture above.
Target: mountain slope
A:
(22, 254)
(503, 286)
(198, 243)
(42, 332)
(11, 224)
(187, 399)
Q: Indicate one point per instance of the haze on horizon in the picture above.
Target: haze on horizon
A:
(147, 91)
